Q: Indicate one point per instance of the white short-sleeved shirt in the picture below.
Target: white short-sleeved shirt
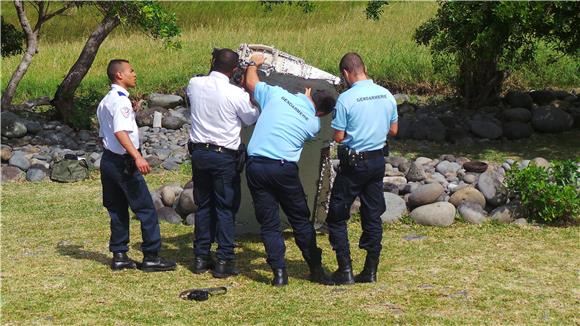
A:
(218, 110)
(115, 113)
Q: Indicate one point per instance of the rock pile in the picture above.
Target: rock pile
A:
(433, 191)
(515, 116)
(175, 204)
(31, 146)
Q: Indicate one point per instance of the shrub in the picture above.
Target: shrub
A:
(12, 39)
(550, 195)
(85, 108)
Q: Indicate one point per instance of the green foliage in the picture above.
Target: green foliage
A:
(149, 16)
(374, 9)
(12, 39)
(486, 39)
(307, 6)
(565, 173)
(550, 195)
(85, 108)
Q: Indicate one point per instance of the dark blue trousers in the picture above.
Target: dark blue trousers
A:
(365, 181)
(237, 202)
(214, 192)
(122, 190)
(275, 183)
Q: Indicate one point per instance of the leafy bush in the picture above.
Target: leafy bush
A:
(550, 195)
(489, 39)
(85, 108)
(12, 39)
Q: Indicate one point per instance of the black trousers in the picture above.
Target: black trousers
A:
(122, 190)
(215, 191)
(275, 183)
(365, 181)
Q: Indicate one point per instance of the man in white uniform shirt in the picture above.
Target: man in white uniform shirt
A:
(218, 110)
(122, 169)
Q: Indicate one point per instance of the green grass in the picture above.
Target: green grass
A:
(55, 271)
(560, 146)
(320, 37)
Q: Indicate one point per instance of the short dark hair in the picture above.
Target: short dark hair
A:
(324, 101)
(224, 60)
(114, 67)
(353, 63)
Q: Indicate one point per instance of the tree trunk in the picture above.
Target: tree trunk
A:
(63, 98)
(480, 81)
(31, 48)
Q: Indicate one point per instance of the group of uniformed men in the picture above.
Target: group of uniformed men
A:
(363, 116)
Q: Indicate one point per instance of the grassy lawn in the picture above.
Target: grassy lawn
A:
(562, 146)
(55, 271)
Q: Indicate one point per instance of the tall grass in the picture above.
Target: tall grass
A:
(320, 37)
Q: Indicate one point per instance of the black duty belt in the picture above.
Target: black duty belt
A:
(125, 156)
(264, 159)
(351, 158)
(371, 154)
(213, 147)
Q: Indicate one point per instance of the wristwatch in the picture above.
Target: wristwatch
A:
(251, 63)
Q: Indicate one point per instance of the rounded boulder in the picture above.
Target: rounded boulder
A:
(425, 194)
(436, 214)
(467, 194)
(186, 203)
(396, 208)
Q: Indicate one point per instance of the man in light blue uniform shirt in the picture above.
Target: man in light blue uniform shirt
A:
(285, 123)
(364, 114)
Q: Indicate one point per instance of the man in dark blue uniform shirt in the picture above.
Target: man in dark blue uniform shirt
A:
(122, 167)
(285, 123)
(365, 113)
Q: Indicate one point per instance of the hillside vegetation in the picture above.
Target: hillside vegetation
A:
(320, 37)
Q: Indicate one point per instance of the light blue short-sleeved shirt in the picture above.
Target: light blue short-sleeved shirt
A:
(285, 123)
(365, 112)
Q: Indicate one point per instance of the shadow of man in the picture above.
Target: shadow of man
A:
(77, 252)
(252, 263)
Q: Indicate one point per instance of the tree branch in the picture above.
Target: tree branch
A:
(58, 12)
(41, 13)
(23, 19)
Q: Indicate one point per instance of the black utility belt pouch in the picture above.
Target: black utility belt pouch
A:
(386, 149)
(348, 157)
(190, 147)
(130, 166)
(241, 158)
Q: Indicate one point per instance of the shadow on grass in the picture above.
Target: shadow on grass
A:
(562, 146)
(251, 262)
(77, 252)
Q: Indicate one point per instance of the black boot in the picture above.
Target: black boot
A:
(369, 272)
(122, 261)
(224, 269)
(154, 263)
(280, 277)
(317, 273)
(343, 274)
(202, 264)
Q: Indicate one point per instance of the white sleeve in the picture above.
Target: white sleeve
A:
(246, 111)
(123, 117)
